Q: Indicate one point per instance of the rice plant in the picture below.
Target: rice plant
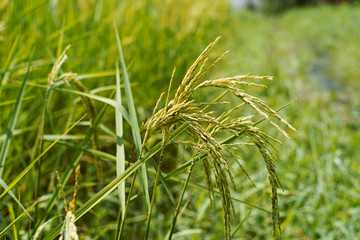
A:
(44, 130)
(214, 137)
(204, 128)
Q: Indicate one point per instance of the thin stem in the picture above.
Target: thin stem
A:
(180, 200)
(154, 192)
(126, 207)
(38, 165)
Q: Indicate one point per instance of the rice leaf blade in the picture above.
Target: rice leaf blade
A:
(98, 197)
(5, 186)
(13, 120)
(28, 168)
(2, 233)
(133, 119)
(120, 149)
(109, 101)
(8, 62)
(74, 161)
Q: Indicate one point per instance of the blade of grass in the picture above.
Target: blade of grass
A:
(18, 132)
(107, 156)
(101, 99)
(133, 119)
(10, 56)
(91, 151)
(13, 120)
(61, 40)
(109, 101)
(41, 228)
(164, 183)
(22, 66)
(2, 233)
(4, 103)
(12, 218)
(120, 150)
(8, 62)
(74, 162)
(158, 172)
(109, 73)
(122, 223)
(246, 217)
(27, 169)
(98, 197)
(5, 186)
(240, 224)
(205, 189)
(93, 201)
(112, 158)
(176, 212)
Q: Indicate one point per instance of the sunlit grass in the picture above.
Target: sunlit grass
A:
(311, 52)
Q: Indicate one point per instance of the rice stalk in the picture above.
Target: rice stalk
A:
(75, 160)
(204, 128)
(176, 212)
(69, 231)
(120, 148)
(9, 226)
(88, 102)
(133, 119)
(13, 121)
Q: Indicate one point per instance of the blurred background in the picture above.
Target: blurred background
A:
(312, 48)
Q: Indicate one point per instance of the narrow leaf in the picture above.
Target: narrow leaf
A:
(27, 169)
(74, 162)
(5, 186)
(2, 233)
(133, 119)
(13, 120)
(120, 150)
(98, 197)
(90, 151)
(109, 101)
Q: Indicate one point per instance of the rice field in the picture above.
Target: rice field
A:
(134, 119)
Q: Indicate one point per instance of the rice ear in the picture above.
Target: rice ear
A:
(205, 127)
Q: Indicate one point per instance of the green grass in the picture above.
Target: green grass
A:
(312, 53)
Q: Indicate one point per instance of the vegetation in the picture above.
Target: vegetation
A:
(72, 94)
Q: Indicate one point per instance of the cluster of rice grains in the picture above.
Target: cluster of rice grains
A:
(204, 127)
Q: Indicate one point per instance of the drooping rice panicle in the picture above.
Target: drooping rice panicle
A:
(205, 126)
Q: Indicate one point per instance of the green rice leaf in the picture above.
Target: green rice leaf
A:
(4, 103)
(18, 132)
(2, 233)
(90, 151)
(13, 120)
(133, 119)
(109, 101)
(8, 62)
(120, 149)
(98, 197)
(74, 161)
(5, 186)
(27, 169)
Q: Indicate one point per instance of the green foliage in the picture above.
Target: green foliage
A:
(313, 54)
